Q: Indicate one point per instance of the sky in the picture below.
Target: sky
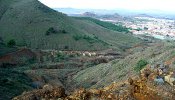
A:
(162, 5)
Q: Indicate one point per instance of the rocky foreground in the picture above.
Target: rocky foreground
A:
(152, 83)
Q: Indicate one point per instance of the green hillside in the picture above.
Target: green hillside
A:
(118, 70)
(4, 49)
(89, 54)
(32, 24)
(107, 25)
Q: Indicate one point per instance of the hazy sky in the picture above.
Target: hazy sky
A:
(165, 5)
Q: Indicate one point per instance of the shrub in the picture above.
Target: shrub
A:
(32, 60)
(47, 33)
(89, 39)
(63, 31)
(11, 43)
(96, 37)
(77, 37)
(66, 47)
(141, 64)
(50, 31)
(61, 57)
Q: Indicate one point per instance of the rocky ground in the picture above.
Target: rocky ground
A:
(140, 87)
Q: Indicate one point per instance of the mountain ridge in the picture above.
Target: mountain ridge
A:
(32, 24)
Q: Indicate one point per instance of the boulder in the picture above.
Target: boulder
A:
(170, 79)
(37, 84)
(48, 87)
(159, 81)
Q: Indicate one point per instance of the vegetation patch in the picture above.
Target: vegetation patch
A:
(11, 43)
(13, 83)
(141, 64)
(77, 37)
(107, 25)
(85, 37)
(63, 56)
(52, 30)
(63, 31)
(90, 39)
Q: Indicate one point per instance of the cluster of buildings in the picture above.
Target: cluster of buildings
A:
(152, 26)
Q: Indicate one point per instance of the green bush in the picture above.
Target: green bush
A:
(11, 43)
(63, 31)
(90, 39)
(141, 64)
(96, 37)
(50, 31)
(66, 47)
(77, 37)
(62, 57)
(47, 33)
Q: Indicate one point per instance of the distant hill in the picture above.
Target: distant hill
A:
(114, 16)
(111, 16)
(89, 14)
(71, 11)
(143, 15)
(32, 24)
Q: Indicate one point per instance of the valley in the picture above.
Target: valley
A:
(48, 55)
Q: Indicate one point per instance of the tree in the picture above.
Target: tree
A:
(66, 47)
(11, 43)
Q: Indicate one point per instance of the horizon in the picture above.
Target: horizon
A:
(145, 5)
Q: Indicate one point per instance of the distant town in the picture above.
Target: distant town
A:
(157, 27)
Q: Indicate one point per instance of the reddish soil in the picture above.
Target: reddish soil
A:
(16, 58)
